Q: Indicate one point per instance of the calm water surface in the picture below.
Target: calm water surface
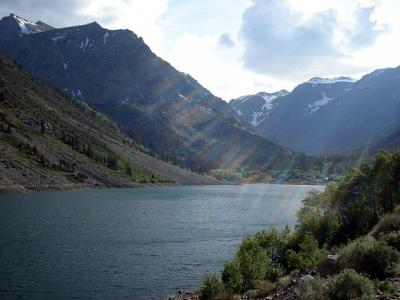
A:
(130, 243)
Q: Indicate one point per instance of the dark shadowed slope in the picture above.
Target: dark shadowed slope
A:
(49, 140)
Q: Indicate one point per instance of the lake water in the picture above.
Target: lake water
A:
(130, 243)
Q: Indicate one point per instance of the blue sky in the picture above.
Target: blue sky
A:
(238, 47)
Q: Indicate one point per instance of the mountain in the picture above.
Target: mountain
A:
(253, 109)
(389, 143)
(325, 116)
(50, 140)
(156, 105)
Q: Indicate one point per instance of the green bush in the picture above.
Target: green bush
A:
(232, 277)
(258, 258)
(346, 285)
(350, 285)
(308, 257)
(250, 262)
(391, 238)
(316, 216)
(274, 243)
(264, 289)
(387, 287)
(211, 287)
(368, 256)
(389, 223)
(313, 289)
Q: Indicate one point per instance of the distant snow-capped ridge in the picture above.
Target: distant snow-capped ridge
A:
(267, 96)
(27, 27)
(255, 108)
(320, 80)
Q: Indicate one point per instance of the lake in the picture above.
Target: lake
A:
(131, 243)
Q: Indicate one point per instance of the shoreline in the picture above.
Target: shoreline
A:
(20, 189)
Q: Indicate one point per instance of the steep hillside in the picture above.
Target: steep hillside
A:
(50, 140)
(160, 107)
(325, 116)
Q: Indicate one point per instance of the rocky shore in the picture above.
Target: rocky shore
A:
(287, 286)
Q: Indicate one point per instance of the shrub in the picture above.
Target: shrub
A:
(316, 217)
(346, 285)
(231, 276)
(308, 257)
(387, 287)
(211, 287)
(313, 289)
(368, 256)
(391, 238)
(389, 223)
(350, 285)
(258, 258)
(264, 289)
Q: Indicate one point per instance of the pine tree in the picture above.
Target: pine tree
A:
(8, 130)
(128, 170)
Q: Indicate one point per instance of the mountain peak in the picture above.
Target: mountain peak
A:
(24, 26)
(93, 24)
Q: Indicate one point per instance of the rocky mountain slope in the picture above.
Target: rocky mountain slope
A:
(158, 106)
(254, 109)
(50, 140)
(325, 116)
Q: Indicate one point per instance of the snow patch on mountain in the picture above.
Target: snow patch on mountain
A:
(269, 98)
(22, 24)
(238, 111)
(57, 38)
(105, 37)
(256, 118)
(244, 98)
(319, 103)
(84, 44)
(319, 80)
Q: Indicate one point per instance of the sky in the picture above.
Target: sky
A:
(240, 47)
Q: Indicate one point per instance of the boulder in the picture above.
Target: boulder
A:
(328, 266)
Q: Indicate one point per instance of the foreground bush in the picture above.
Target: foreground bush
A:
(248, 268)
(350, 285)
(258, 258)
(368, 256)
(346, 285)
(388, 223)
(391, 238)
(308, 257)
(313, 289)
(212, 286)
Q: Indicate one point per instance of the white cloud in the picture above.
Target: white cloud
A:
(282, 41)
(142, 17)
(217, 68)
